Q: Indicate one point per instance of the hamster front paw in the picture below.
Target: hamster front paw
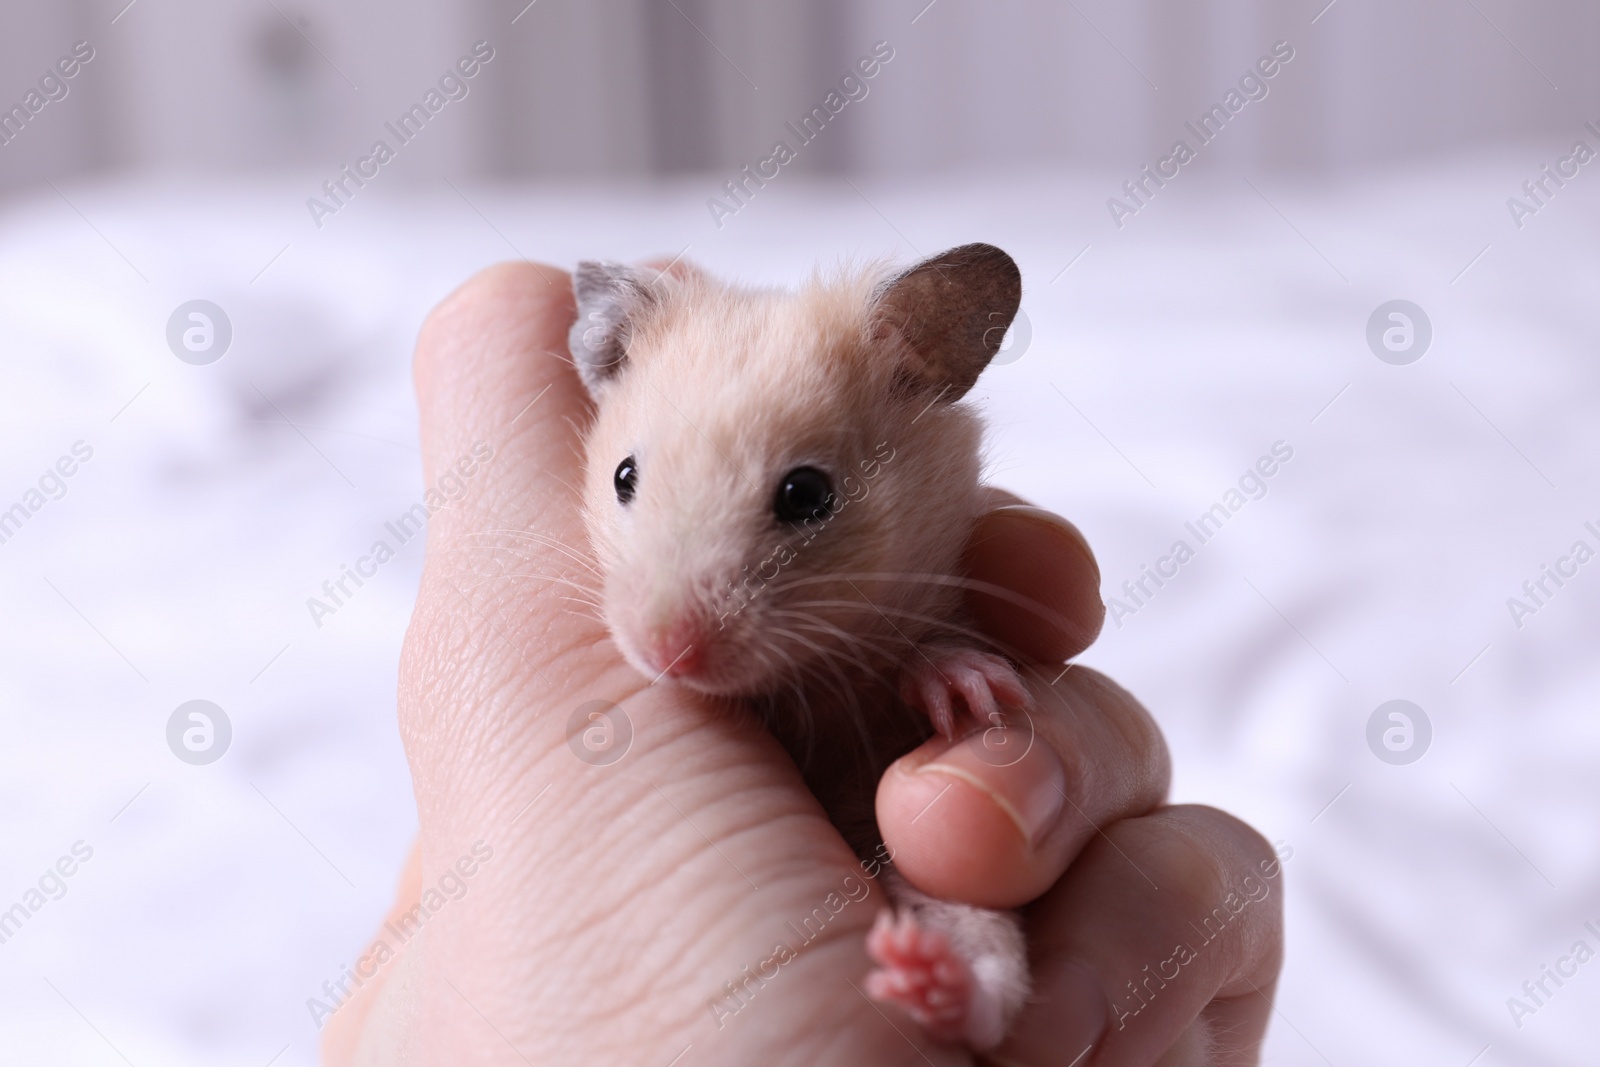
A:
(982, 680)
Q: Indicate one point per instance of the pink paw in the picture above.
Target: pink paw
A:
(982, 680)
(918, 970)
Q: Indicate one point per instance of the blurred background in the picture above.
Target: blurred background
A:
(639, 87)
(1384, 266)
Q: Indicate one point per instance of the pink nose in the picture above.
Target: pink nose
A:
(678, 649)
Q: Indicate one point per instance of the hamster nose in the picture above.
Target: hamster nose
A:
(678, 647)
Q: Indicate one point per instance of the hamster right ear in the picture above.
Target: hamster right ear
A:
(952, 311)
(610, 297)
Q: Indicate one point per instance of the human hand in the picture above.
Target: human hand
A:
(1112, 880)
(618, 899)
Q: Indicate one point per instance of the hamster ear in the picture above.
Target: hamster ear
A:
(609, 296)
(953, 311)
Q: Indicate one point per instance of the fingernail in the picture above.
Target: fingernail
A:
(1069, 537)
(1030, 786)
(1069, 1018)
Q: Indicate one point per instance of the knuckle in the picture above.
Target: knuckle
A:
(1209, 861)
(1192, 872)
(1112, 744)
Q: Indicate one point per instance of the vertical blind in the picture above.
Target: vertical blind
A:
(630, 87)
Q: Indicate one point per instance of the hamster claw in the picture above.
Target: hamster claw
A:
(983, 681)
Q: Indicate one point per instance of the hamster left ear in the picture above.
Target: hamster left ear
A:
(610, 297)
(953, 312)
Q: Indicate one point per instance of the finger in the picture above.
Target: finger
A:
(995, 818)
(342, 1036)
(1164, 938)
(1037, 586)
(502, 412)
(996, 497)
(492, 348)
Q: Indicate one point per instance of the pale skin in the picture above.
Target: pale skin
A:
(620, 898)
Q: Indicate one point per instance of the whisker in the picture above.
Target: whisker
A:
(573, 582)
(555, 543)
(818, 624)
(807, 725)
(848, 697)
(939, 626)
(593, 596)
(1000, 592)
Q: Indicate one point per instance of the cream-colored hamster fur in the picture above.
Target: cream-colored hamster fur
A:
(778, 489)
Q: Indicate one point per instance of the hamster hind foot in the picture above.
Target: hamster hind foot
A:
(958, 971)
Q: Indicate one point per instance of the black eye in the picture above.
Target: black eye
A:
(626, 478)
(803, 493)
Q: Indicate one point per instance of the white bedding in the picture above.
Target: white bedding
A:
(1163, 363)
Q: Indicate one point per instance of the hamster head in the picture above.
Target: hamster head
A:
(781, 484)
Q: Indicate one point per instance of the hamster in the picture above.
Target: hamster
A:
(778, 489)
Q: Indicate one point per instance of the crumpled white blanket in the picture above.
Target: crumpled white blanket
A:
(1223, 323)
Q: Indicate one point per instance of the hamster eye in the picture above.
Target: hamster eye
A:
(802, 494)
(625, 480)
